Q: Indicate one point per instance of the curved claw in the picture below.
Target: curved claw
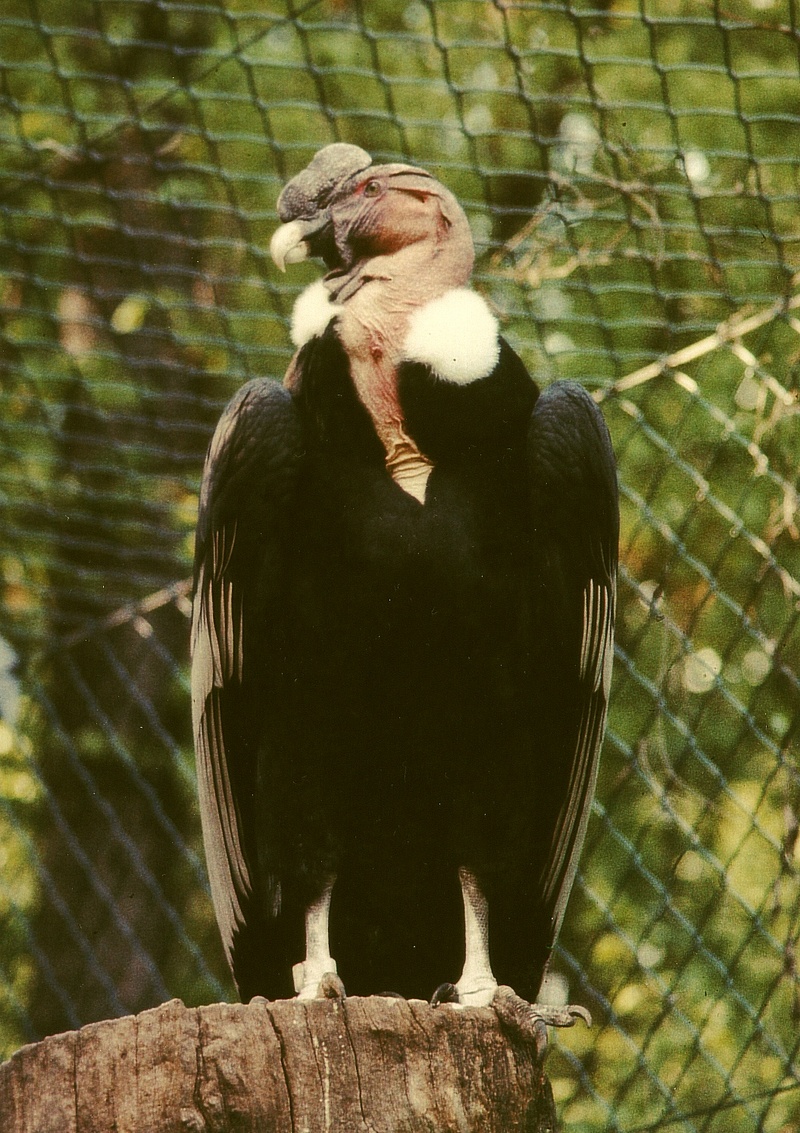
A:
(577, 1011)
(330, 987)
(445, 993)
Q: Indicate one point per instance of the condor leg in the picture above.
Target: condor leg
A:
(315, 977)
(477, 986)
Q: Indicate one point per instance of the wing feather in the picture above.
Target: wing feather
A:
(575, 513)
(247, 487)
(573, 820)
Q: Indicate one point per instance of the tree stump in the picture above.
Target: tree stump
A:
(375, 1065)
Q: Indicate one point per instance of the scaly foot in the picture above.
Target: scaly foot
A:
(531, 1020)
(317, 981)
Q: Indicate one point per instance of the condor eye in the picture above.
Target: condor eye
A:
(372, 189)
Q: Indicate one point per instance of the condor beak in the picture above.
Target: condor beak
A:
(289, 244)
(302, 204)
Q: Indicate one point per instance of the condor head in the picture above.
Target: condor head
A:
(347, 211)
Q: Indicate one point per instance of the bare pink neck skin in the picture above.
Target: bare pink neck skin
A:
(373, 327)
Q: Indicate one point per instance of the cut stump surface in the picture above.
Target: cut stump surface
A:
(375, 1065)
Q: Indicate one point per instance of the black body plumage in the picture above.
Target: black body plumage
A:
(398, 690)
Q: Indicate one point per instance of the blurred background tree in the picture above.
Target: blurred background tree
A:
(630, 169)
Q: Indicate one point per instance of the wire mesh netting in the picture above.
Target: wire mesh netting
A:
(631, 172)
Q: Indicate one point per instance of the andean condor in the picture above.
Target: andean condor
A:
(404, 618)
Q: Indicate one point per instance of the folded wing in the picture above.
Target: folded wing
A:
(247, 489)
(575, 523)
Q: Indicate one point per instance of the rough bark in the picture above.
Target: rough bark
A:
(356, 1066)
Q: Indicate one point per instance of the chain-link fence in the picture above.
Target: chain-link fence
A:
(631, 171)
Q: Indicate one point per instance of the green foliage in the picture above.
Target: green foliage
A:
(630, 171)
